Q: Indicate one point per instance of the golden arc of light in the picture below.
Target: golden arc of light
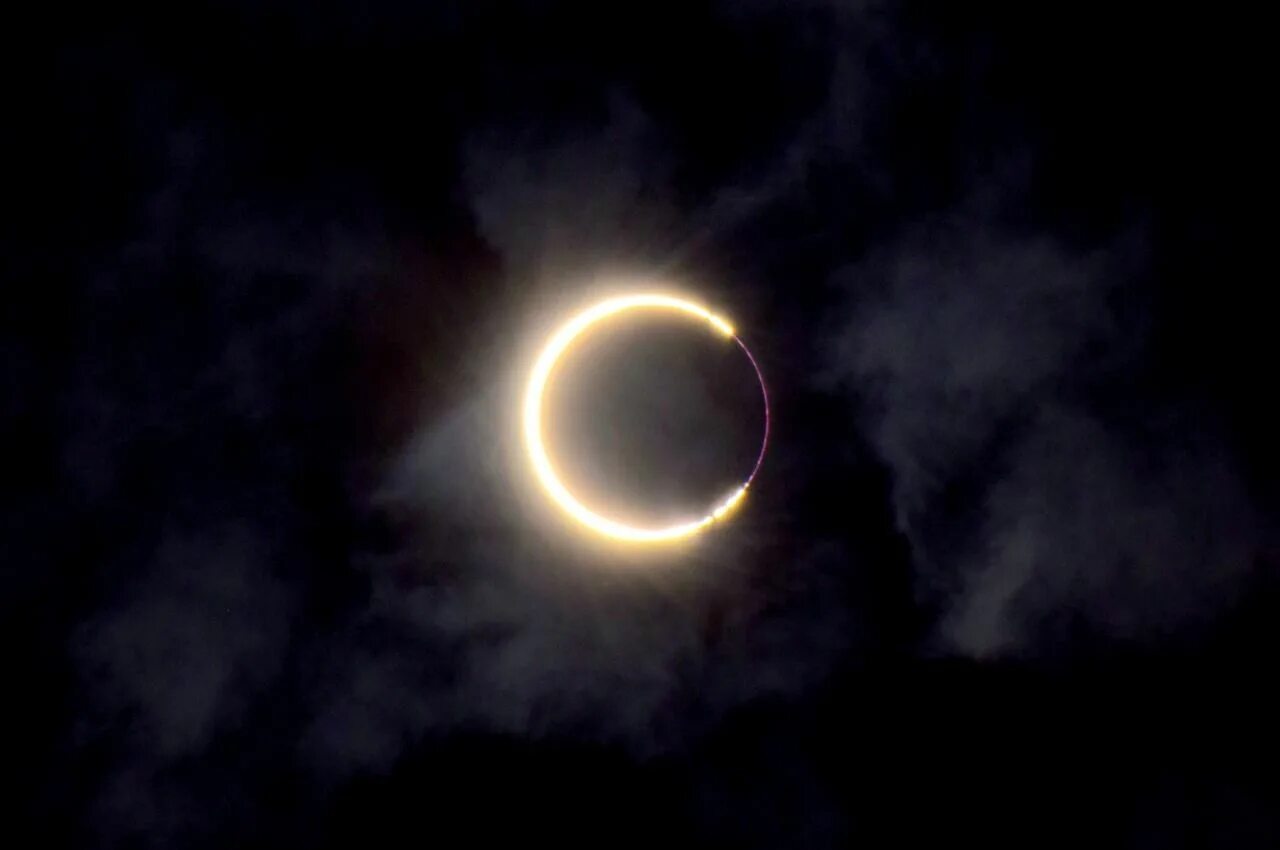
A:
(559, 343)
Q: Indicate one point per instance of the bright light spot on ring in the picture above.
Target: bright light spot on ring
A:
(559, 343)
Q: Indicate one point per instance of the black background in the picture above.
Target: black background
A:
(274, 573)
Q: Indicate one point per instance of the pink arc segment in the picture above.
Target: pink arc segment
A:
(764, 396)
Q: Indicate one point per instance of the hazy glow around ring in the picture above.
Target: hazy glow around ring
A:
(559, 343)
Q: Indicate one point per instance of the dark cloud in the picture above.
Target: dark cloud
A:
(585, 200)
(953, 341)
(1138, 539)
(1001, 381)
(491, 622)
(204, 630)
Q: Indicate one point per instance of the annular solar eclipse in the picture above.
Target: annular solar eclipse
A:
(595, 319)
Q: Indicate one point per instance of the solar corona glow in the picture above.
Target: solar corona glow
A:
(560, 343)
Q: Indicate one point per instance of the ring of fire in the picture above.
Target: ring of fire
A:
(561, 341)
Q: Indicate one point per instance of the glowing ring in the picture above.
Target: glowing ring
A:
(545, 365)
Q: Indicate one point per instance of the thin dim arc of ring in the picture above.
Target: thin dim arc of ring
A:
(764, 396)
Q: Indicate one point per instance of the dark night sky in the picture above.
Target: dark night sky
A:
(273, 572)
